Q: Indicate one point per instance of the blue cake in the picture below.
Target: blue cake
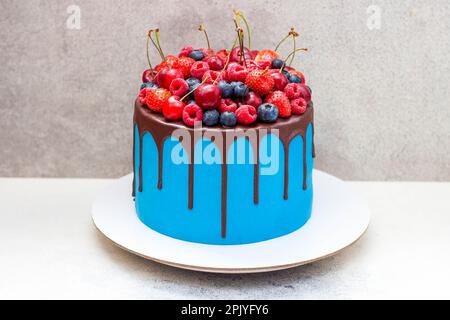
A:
(223, 145)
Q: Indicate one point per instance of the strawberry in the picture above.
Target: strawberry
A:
(260, 81)
(170, 60)
(156, 98)
(281, 101)
(268, 55)
(184, 64)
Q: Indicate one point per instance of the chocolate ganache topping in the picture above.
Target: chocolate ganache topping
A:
(160, 129)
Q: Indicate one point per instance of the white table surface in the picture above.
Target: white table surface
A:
(49, 248)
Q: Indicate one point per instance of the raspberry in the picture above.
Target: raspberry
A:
(156, 98)
(260, 81)
(236, 72)
(184, 64)
(179, 87)
(281, 101)
(292, 90)
(199, 68)
(210, 76)
(191, 114)
(227, 105)
(143, 96)
(298, 106)
(246, 114)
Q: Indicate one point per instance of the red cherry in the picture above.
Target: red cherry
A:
(210, 76)
(227, 105)
(253, 99)
(192, 113)
(236, 72)
(246, 114)
(215, 63)
(147, 76)
(179, 87)
(166, 76)
(223, 55)
(305, 93)
(199, 68)
(207, 96)
(279, 79)
(236, 53)
(173, 108)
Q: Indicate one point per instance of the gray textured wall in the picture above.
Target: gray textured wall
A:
(382, 96)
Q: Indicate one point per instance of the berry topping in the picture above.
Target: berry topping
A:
(179, 87)
(193, 83)
(277, 63)
(253, 99)
(173, 108)
(246, 114)
(293, 78)
(227, 105)
(236, 54)
(268, 55)
(228, 119)
(207, 96)
(211, 117)
(281, 101)
(223, 55)
(236, 72)
(292, 90)
(260, 81)
(156, 98)
(184, 64)
(293, 71)
(197, 55)
(150, 85)
(199, 68)
(147, 76)
(215, 63)
(240, 90)
(267, 112)
(191, 114)
(211, 76)
(305, 93)
(298, 106)
(143, 96)
(280, 80)
(226, 88)
(166, 76)
(185, 51)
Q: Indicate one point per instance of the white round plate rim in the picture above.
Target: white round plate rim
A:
(339, 218)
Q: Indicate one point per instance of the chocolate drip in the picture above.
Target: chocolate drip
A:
(133, 193)
(160, 130)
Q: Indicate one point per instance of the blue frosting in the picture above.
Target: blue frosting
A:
(166, 210)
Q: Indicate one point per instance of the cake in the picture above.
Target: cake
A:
(223, 143)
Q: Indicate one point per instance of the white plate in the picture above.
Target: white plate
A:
(339, 218)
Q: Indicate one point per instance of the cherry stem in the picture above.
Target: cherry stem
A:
(148, 53)
(228, 60)
(155, 44)
(295, 48)
(159, 45)
(240, 15)
(187, 94)
(281, 41)
(202, 29)
(290, 54)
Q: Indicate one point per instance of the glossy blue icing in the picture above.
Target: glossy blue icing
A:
(166, 210)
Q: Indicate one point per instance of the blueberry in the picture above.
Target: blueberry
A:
(267, 112)
(226, 88)
(286, 73)
(240, 90)
(150, 85)
(196, 55)
(190, 102)
(192, 83)
(294, 78)
(211, 117)
(277, 63)
(228, 119)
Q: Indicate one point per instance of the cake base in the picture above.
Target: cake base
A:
(339, 218)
